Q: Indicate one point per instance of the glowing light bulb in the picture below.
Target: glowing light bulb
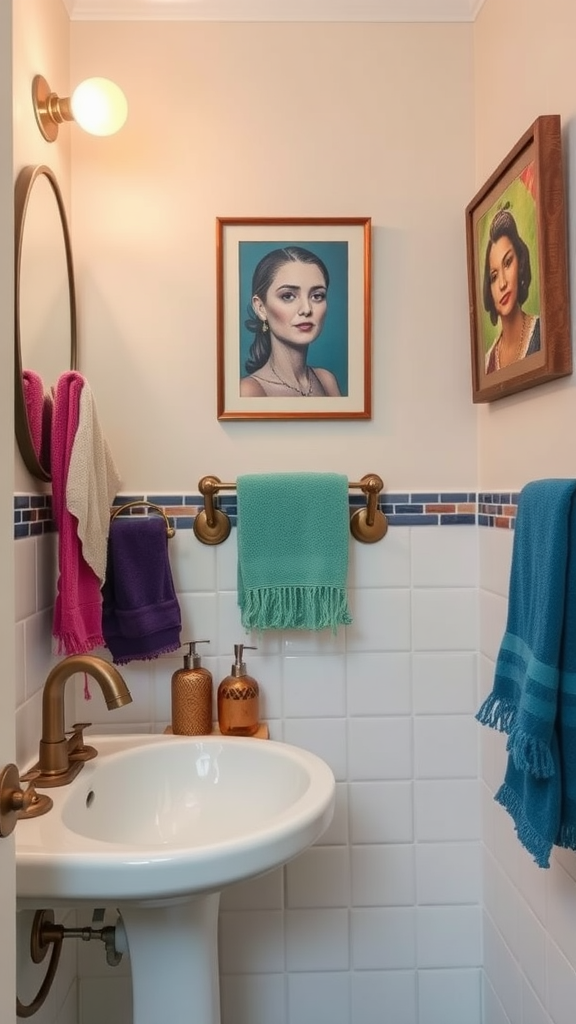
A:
(99, 106)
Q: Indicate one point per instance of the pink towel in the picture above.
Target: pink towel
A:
(34, 402)
(78, 610)
(39, 405)
(45, 449)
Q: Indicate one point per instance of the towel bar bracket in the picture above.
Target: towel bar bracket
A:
(212, 525)
(369, 524)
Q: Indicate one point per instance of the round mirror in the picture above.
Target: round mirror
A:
(44, 309)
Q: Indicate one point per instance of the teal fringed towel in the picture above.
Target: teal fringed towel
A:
(533, 699)
(293, 533)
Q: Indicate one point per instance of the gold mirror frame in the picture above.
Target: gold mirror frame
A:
(22, 192)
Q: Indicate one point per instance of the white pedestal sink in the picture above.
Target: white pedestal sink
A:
(157, 826)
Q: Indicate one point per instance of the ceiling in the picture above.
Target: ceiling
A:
(275, 10)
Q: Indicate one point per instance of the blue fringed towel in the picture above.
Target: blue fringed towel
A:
(293, 533)
(533, 698)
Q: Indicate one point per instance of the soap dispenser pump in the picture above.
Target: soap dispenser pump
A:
(239, 699)
(192, 695)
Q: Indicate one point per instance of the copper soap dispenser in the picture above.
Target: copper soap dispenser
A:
(192, 695)
(239, 699)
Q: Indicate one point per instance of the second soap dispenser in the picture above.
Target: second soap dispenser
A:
(192, 695)
(239, 699)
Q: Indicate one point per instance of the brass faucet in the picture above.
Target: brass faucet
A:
(61, 759)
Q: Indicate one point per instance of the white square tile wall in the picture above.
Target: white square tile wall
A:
(384, 910)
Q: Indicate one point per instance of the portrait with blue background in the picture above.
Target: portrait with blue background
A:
(330, 350)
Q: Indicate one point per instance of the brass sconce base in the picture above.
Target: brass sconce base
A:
(40, 97)
(50, 111)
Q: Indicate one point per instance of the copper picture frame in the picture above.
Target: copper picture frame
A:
(293, 318)
(516, 237)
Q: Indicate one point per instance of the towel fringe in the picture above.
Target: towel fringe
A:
(127, 659)
(531, 754)
(497, 712)
(567, 837)
(304, 607)
(531, 840)
(70, 643)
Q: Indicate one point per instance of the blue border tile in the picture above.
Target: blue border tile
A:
(413, 520)
(454, 497)
(409, 509)
(457, 519)
(167, 499)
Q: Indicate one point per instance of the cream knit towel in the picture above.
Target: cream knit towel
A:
(92, 485)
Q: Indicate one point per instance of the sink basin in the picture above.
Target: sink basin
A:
(158, 817)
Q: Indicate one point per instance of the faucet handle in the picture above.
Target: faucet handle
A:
(16, 803)
(77, 749)
(78, 730)
(28, 803)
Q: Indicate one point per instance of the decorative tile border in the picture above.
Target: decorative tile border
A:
(32, 515)
(33, 512)
(429, 508)
(498, 508)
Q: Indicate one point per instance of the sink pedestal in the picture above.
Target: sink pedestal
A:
(174, 959)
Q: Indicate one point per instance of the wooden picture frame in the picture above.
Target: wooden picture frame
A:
(312, 280)
(518, 288)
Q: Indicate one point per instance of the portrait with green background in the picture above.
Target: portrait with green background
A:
(519, 199)
(330, 350)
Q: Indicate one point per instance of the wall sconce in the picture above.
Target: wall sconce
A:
(98, 105)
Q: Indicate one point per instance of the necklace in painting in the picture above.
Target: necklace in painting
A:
(519, 354)
(279, 380)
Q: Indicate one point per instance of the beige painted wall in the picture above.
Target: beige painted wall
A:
(524, 68)
(260, 120)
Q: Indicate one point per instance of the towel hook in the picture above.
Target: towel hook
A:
(369, 524)
(170, 531)
(211, 525)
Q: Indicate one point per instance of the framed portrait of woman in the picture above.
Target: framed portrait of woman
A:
(293, 318)
(516, 237)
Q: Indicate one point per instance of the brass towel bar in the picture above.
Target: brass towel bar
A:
(170, 531)
(368, 525)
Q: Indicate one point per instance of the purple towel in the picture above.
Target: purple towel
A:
(140, 616)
